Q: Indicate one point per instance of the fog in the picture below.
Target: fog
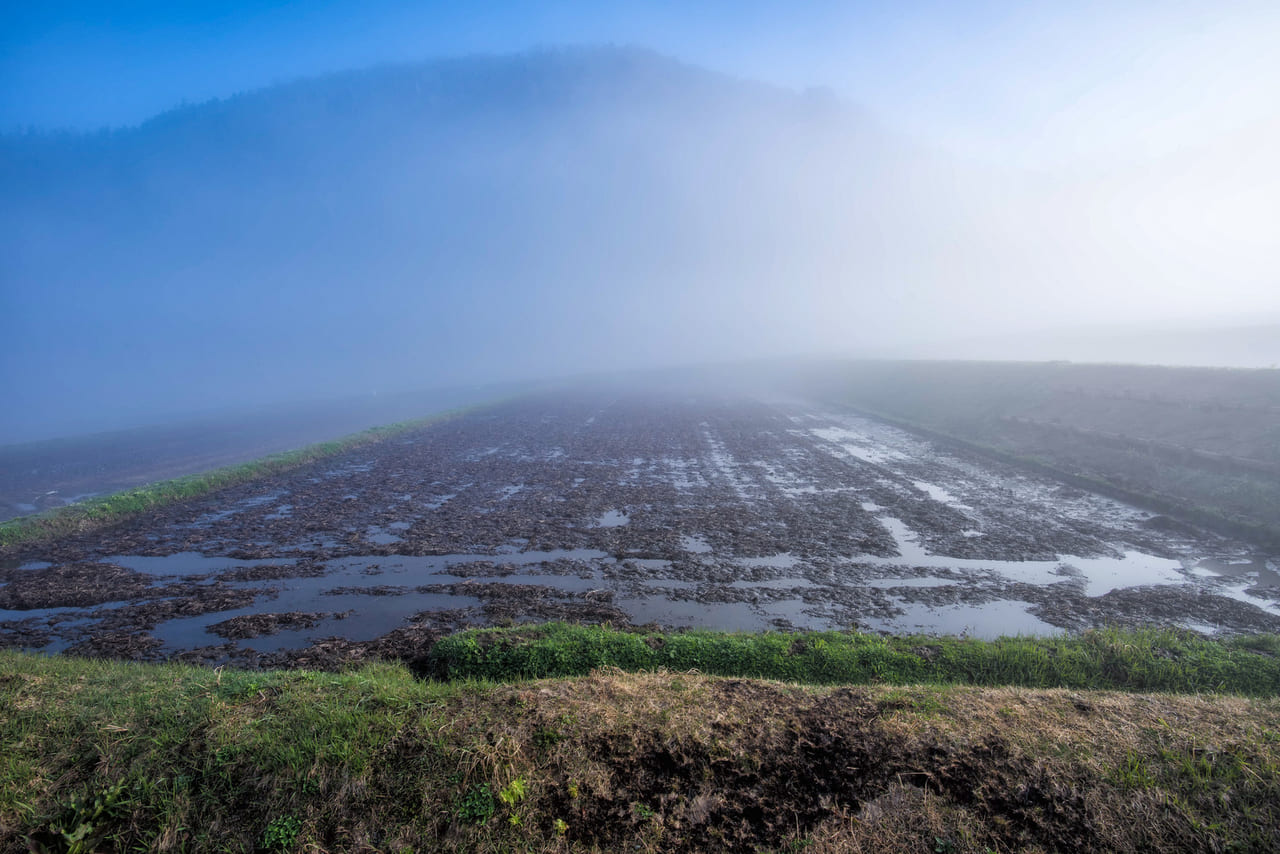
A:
(561, 211)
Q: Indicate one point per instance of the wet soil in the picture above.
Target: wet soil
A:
(41, 475)
(676, 510)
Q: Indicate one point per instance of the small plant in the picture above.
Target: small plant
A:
(82, 827)
(1131, 773)
(642, 811)
(477, 805)
(513, 793)
(547, 737)
(281, 833)
(561, 826)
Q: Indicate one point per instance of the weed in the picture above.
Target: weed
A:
(84, 823)
(281, 833)
(513, 793)
(1132, 773)
(477, 805)
(545, 738)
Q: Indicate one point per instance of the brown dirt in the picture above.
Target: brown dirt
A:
(674, 762)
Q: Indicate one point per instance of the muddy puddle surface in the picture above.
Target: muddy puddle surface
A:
(676, 511)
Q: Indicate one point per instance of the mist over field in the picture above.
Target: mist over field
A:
(539, 213)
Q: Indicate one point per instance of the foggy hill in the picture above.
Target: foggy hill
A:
(412, 225)
(562, 211)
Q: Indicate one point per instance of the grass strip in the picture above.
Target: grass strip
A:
(111, 756)
(106, 510)
(1166, 660)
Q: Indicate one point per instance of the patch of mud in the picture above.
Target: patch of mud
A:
(257, 625)
(816, 760)
(629, 509)
(76, 585)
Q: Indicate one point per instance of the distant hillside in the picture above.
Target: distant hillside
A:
(409, 225)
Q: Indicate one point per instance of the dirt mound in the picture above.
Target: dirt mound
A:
(675, 762)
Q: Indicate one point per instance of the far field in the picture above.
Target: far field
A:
(1203, 443)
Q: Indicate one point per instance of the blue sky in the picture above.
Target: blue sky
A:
(1030, 81)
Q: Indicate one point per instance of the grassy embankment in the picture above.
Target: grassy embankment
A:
(102, 756)
(106, 510)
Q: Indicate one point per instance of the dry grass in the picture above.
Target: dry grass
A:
(374, 760)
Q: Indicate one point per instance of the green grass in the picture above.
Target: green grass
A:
(111, 756)
(103, 511)
(156, 753)
(1144, 660)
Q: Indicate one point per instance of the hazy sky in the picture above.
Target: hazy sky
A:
(1027, 81)
(1042, 169)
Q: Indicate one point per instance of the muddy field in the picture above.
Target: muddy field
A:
(674, 509)
(41, 475)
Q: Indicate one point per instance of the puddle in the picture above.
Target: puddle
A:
(672, 583)
(987, 621)
(380, 536)
(774, 583)
(188, 563)
(1135, 569)
(725, 616)
(858, 445)
(373, 616)
(793, 612)
(928, 581)
(7, 615)
(423, 569)
(612, 519)
(694, 545)
(1255, 569)
(567, 583)
(238, 507)
(1234, 588)
(654, 564)
(937, 493)
(1100, 575)
(783, 560)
